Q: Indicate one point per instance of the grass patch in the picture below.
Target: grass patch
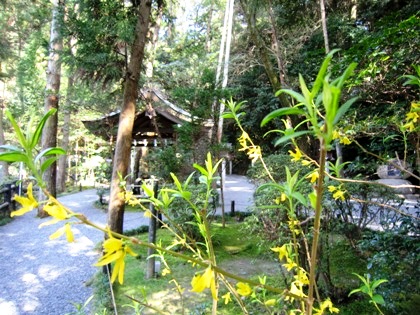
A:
(236, 252)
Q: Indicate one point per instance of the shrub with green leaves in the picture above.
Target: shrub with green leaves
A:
(276, 165)
(394, 255)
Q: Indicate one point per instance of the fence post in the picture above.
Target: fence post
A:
(8, 196)
(151, 267)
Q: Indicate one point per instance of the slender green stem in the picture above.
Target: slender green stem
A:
(317, 224)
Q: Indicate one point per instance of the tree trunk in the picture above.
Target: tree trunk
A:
(209, 28)
(225, 68)
(263, 53)
(353, 10)
(125, 126)
(213, 130)
(52, 89)
(324, 26)
(62, 162)
(153, 43)
(276, 45)
(4, 171)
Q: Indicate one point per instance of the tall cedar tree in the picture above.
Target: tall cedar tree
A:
(125, 126)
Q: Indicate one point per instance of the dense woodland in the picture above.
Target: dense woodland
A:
(272, 42)
(88, 58)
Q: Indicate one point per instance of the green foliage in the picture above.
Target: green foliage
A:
(164, 161)
(27, 146)
(182, 214)
(276, 164)
(365, 204)
(369, 289)
(103, 31)
(102, 301)
(394, 255)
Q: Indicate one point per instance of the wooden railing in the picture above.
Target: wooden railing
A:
(7, 204)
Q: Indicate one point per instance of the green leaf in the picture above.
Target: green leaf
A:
(306, 93)
(13, 157)
(289, 137)
(47, 163)
(378, 299)
(378, 282)
(203, 179)
(363, 279)
(297, 96)
(176, 182)
(312, 199)
(228, 115)
(344, 108)
(186, 195)
(17, 129)
(354, 291)
(321, 73)
(188, 180)
(270, 185)
(201, 169)
(38, 132)
(8, 148)
(49, 151)
(281, 112)
(347, 73)
(148, 189)
(298, 196)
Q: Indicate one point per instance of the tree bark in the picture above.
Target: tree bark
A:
(52, 90)
(324, 26)
(62, 162)
(276, 45)
(225, 67)
(263, 53)
(4, 172)
(125, 126)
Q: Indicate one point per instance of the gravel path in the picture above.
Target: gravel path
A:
(46, 277)
(43, 277)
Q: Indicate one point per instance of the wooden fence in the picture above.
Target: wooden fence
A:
(7, 204)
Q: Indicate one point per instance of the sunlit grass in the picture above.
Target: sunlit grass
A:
(235, 249)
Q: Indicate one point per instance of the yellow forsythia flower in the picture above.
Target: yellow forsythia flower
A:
(203, 281)
(290, 264)
(332, 188)
(57, 211)
(115, 251)
(301, 277)
(306, 162)
(64, 229)
(28, 203)
(313, 176)
(243, 139)
(166, 271)
(243, 289)
(283, 252)
(295, 156)
(254, 153)
(413, 116)
(327, 304)
(147, 214)
(283, 197)
(270, 302)
(339, 194)
(345, 140)
(295, 291)
(227, 298)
